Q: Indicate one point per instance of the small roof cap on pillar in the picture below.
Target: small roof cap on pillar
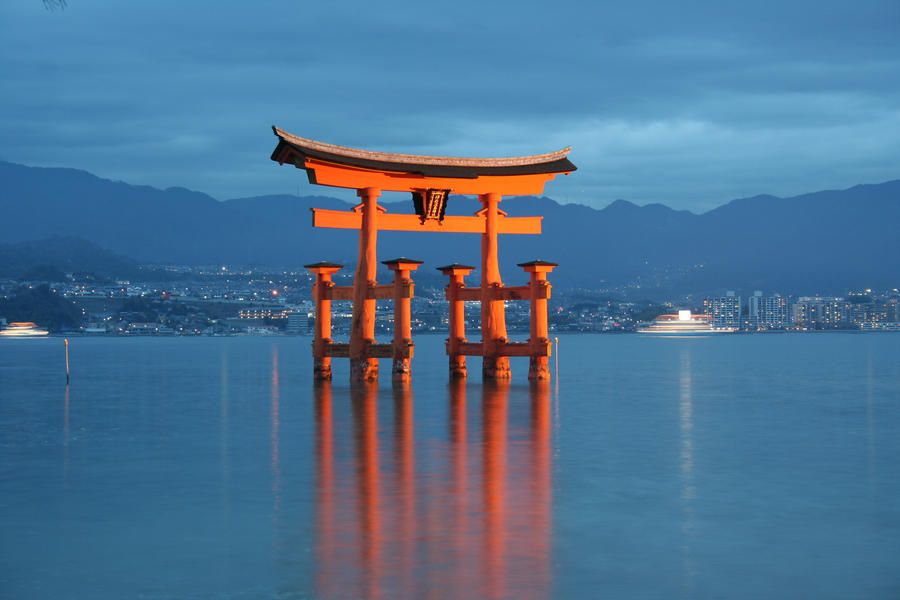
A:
(323, 267)
(401, 262)
(323, 263)
(538, 263)
(447, 270)
(538, 266)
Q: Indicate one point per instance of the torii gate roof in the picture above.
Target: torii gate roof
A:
(339, 166)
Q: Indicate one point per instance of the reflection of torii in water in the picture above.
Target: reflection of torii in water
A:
(430, 179)
(481, 507)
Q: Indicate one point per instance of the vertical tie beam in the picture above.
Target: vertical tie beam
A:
(403, 292)
(362, 327)
(493, 311)
(457, 318)
(539, 366)
(322, 295)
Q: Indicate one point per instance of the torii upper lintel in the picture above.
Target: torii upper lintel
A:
(339, 166)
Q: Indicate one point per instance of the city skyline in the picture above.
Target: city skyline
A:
(229, 300)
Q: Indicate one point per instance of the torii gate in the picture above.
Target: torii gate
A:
(430, 179)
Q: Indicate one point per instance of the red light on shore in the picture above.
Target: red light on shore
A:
(274, 292)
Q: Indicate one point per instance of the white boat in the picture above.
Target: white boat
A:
(683, 324)
(23, 330)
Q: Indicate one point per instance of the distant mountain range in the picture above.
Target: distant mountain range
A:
(825, 241)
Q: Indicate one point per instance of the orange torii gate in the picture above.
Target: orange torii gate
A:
(430, 179)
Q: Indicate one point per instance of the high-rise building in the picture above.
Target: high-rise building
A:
(864, 308)
(820, 313)
(894, 309)
(723, 311)
(768, 312)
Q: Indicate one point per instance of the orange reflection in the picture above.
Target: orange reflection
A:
(459, 486)
(541, 493)
(405, 473)
(453, 517)
(494, 418)
(364, 397)
(326, 506)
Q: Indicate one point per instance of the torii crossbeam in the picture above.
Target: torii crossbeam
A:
(431, 180)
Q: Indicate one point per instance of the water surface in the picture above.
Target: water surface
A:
(757, 466)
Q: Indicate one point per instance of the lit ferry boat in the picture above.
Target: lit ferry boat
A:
(23, 330)
(683, 324)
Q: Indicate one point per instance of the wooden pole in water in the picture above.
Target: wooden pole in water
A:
(66, 342)
(556, 343)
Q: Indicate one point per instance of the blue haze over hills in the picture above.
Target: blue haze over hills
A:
(826, 241)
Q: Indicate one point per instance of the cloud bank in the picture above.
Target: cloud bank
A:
(690, 104)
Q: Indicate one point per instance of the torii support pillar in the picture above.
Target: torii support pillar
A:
(363, 366)
(493, 310)
(457, 273)
(539, 367)
(403, 291)
(321, 359)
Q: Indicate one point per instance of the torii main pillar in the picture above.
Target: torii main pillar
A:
(494, 364)
(431, 180)
(364, 367)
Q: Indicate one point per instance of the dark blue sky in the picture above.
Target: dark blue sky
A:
(686, 103)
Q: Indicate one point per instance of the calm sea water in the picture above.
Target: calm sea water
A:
(761, 466)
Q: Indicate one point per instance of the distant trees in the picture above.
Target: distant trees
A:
(48, 273)
(41, 305)
(651, 312)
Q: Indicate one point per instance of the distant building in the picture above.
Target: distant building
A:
(864, 309)
(257, 312)
(768, 312)
(887, 326)
(723, 311)
(297, 323)
(820, 313)
(894, 307)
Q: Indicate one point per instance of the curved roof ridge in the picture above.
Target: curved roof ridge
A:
(415, 159)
